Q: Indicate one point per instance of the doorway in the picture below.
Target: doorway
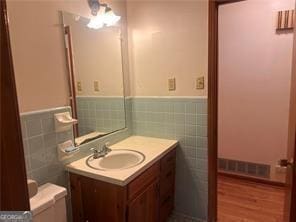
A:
(237, 111)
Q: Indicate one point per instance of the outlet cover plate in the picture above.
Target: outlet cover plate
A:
(96, 86)
(172, 84)
(79, 86)
(200, 82)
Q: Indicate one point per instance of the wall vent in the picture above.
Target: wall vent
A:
(245, 168)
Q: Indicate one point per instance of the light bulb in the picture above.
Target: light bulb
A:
(97, 22)
(110, 18)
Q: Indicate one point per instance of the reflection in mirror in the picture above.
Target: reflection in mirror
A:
(95, 77)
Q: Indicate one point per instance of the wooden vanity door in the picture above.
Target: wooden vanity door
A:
(89, 200)
(94, 200)
(145, 207)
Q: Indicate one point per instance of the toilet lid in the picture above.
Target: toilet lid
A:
(46, 197)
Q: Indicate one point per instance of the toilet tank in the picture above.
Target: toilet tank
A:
(49, 204)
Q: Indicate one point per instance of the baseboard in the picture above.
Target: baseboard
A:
(252, 179)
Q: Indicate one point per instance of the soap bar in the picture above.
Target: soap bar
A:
(67, 147)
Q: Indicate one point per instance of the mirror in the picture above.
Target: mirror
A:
(95, 69)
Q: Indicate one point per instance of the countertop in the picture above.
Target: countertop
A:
(153, 149)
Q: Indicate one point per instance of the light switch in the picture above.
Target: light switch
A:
(200, 83)
(172, 84)
(79, 86)
(96, 86)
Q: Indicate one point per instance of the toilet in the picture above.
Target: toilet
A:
(49, 204)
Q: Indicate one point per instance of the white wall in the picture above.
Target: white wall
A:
(254, 82)
(38, 49)
(168, 39)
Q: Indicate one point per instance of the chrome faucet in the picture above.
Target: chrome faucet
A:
(106, 149)
(103, 152)
(95, 153)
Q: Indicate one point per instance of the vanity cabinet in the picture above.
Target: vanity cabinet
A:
(147, 198)
(145, 206)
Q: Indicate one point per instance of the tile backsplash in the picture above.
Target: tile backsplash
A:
(102, 114)
(40, 145)
(183, 119)
(41, 140)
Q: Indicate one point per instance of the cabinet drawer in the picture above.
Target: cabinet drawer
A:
(166, 208)
(145, 179)
(168, 161)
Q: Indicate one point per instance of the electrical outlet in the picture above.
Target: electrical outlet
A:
(200, 83)
(79, 86)
(172, 84)
(96, 86)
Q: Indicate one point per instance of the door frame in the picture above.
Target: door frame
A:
(13, 180)
(213, 106)
(71, 76)
(213, 112)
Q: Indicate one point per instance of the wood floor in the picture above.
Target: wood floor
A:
(242, 201)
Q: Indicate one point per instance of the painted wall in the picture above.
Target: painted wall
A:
(38, 49)
(172, 45)
(254, 83)
(168, 40)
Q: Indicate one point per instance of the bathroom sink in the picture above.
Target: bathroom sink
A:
(116, 160)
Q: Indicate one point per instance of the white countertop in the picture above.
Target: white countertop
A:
(153, 149)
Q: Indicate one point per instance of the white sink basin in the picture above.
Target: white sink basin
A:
(116, 160)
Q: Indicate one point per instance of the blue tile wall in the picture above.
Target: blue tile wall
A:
(40, 146)
(183, 119)
(110, 138)
(102, 114)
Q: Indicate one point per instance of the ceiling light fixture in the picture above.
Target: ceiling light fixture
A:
(97, 20)
(102, 15)
(110, 18)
